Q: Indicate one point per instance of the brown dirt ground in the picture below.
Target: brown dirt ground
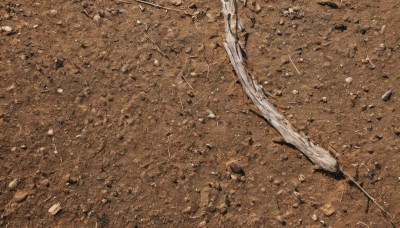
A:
(137, 147)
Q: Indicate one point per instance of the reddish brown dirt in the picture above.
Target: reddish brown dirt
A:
(137, 148)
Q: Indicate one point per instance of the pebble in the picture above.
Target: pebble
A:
(280, 219)
(202, 223)
(156, 63)
(6, 28)
(236, 168)
(302, 178)
(53, 210)
(13, 184)
(386, 96)
(328, 3)
(327, 210)
(50, 132)
(211, 116)
(314, 217)
(324, 99)
(125, 69)
(60, 90)
(295, 92)
(20, 196)
(349, 80)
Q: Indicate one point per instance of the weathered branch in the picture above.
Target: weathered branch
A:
(319, 156)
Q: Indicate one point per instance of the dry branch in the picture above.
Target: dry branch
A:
(322, 158)
(237, 55)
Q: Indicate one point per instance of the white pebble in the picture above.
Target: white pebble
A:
(324, 99)
(156, 63)
(349, 80)
(13, 184)
(50, 132)
(60, 90)
(295, 91)
(55, 209)
(6, 28)
(314, 217)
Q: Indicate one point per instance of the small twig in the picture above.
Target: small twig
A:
(187, 82)
(157, 46)
(55, 148)
(86, 14)
(294, 65)
(156, 5)
(384, 212)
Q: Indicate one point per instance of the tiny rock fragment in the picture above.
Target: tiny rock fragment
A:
(202, 224)
(314, 217)
(176, 2)
(6, 28)
(13, 184)
(50, 132)
(236, 168)
(329, 3)
(20, 196)
(125, 69)
(386, 96)
(324, 99)
(349, 80)
(58, 63)
(302, 178)
(327, 210)
(60, 90)
(255, 7)
(53, 210)
(156, 63)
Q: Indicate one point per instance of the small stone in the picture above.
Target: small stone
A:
(324, 99)
(187, 210)
(50, 132)
(202, 223)
(236, 168)
(302, 178)
(97, 17)
(125, 69)
(60, 90)
(104, 201)
(314, 217)
(278, 93)
(176, 2)
(281, 220)
(156, 63)
(24, 147)
(387, 95)
(109, 182)
(20, 196)
(53, 210)
(13, 184)
(53, 12)
(295, 92)
(211, 115)
(192, 6)
(349, 80)
(6, 28)
(328, 3)
(327, 210)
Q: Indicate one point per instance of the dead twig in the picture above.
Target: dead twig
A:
(384, 212)
(294, 65)
(156, 5)
(237, 55)
(157, 46)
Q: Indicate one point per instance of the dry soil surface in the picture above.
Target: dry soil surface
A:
(127, 115)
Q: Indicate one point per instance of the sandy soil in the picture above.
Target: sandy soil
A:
(131, 116)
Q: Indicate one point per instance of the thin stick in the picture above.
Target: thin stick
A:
(294, 65)
(157, 46)
(187, 82)
(156, 5)
(384, 212)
